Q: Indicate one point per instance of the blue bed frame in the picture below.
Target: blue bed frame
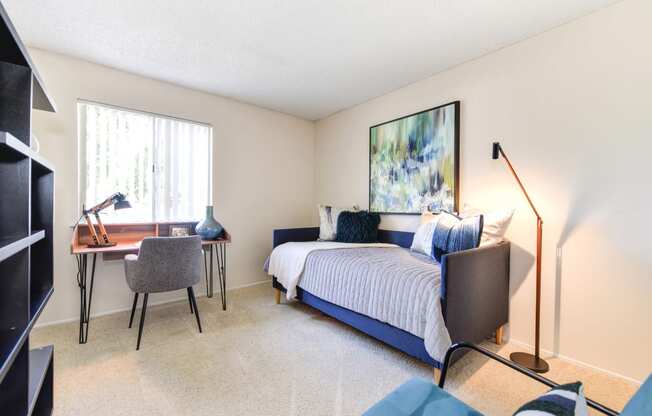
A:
(475, 291)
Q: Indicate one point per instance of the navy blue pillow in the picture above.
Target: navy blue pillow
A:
(357, 227)
(455, 234)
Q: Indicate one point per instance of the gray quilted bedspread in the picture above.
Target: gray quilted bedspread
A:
(392, 285)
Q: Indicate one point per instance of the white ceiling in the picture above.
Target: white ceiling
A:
(309, 58)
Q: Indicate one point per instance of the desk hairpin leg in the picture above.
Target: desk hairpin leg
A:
(208, 289)
(221, 271)
(85, 294)
(219, 250)
(208, 269)
(210, 284)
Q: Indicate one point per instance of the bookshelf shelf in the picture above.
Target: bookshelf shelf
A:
(40, 377)
(11, 246)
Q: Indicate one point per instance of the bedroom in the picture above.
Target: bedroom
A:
(285, 95)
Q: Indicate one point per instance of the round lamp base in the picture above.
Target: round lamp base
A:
(526, 360)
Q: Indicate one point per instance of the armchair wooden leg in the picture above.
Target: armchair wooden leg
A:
(277, 296)
(499, 334)
(436, 374)
(133, 309)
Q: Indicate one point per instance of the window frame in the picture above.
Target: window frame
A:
(81, 153)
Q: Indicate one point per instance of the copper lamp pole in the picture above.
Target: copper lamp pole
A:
(533, 362)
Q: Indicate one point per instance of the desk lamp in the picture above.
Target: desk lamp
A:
(533, 362)
(119, 201)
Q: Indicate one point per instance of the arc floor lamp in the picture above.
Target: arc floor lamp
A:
(533, 362)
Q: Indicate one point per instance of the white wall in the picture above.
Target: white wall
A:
(571, 107)
(572, 110)
(262, 160)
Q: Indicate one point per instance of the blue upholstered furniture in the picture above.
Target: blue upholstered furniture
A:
(419, 397)
(474, 294)
(641, 403)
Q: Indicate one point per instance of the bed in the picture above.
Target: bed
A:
(404, 299)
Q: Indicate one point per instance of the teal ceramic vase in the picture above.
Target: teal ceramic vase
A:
(208, 228)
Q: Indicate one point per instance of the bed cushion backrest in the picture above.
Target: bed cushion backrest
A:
(280, 236)
(400, 238)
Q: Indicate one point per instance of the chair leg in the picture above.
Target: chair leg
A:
(277, 296)
(133, 309)
(142, 320)
(191, 295)
(190, 302)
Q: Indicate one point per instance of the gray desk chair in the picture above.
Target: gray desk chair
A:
(164, 264)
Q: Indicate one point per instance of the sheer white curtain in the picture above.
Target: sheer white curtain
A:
(162, 164)
(182, 151)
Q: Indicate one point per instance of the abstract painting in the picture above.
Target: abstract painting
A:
(414, 162)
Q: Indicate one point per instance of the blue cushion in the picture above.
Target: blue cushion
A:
(454, 234)
(420, 398)
(357, 227)
(641, 403)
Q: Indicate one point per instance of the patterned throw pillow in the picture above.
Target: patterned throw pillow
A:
(357, 227)
(422, 240)
(454, 234)
(565, 400)
(328, 216)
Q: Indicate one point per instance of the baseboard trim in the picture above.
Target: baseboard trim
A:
(577, 362)
(162, 302)
(524, 345)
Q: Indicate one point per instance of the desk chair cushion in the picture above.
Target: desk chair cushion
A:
(164, 264)
(419, 397)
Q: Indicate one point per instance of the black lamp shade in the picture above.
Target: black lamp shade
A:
(122, 204)
(119, 201)
(495, 150)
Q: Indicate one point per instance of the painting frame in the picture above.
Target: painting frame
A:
(456, 157)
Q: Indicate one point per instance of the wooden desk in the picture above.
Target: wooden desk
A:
(128, 238)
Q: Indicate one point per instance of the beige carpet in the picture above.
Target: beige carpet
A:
(259, 358)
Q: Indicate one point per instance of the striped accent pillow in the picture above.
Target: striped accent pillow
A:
(453, 234)
(422, 240)
(565, 400)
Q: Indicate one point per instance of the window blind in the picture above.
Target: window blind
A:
(162, 164)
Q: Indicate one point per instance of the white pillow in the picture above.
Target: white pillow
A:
(422, 241)
(495, 224)
(328, 220)
(428, 216)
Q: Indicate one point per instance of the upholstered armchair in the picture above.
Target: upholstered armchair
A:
(164, 264)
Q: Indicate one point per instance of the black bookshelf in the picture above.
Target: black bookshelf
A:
(26, 227)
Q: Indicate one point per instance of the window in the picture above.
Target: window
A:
(162, 164)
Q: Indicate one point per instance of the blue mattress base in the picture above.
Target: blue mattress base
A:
(390, 335)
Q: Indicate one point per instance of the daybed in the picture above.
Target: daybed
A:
(474, 294)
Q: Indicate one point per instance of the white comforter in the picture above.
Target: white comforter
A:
(288, 260)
